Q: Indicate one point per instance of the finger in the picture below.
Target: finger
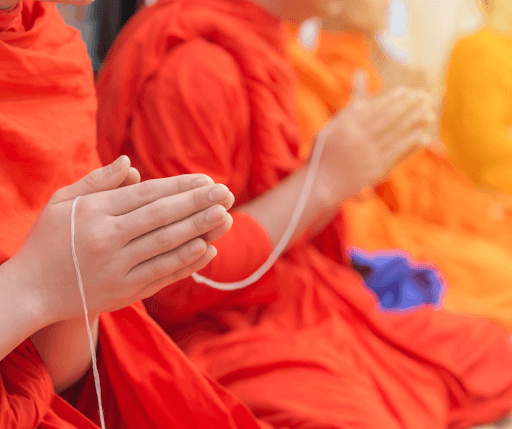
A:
(229, 202)
(378, 106)
(172, 209)
(405, 147)
(132, 178)
(127, 199)
(374, 109)
(174, 235)
(156, 285)
(427, 97)
(359, 91)
(419, 118)
(167, 263)
(219, 231)
(101, 179)
(393, 118)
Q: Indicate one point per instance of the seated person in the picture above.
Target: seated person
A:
(477, 114)
(204, 86)
(426, 206)
(130, 240)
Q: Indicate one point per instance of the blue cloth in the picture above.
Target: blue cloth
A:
(398, 282)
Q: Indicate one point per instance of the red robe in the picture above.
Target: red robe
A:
(203, 85)
(47, 141)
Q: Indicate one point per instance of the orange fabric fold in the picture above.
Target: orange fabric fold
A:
(426, 206)
(48, 139)
(305, 346)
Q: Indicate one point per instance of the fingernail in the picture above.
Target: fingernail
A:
(229, 220)
(213, 251)
(198, 247)
(214, 214)
(219, 194)
(117, 165)
(202, 181)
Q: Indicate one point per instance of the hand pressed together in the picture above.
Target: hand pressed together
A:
(365, 140)
(130, 241)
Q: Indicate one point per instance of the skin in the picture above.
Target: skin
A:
(131, 240)
(363, 142)
(50, 312)
(499, 15)
(356, 155)
(368, 18)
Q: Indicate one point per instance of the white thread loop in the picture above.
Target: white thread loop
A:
(292, 226)
(86, 313)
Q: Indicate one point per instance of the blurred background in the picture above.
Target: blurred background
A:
(420, 32)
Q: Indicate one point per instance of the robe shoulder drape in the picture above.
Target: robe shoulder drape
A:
(48, 141)
(305, 346)
(477, 113)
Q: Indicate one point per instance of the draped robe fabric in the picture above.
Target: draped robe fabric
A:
(204, 85)
(426, 206)
(477, 113)
(47, 141)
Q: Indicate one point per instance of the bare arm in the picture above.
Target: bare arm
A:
(362, 143)
(273, 210)
(21, 314)
(64, 349)
(118, 265)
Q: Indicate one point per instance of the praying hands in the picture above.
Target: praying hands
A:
(130, 242)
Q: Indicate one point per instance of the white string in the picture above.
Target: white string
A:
(86, 313)
(292, 226)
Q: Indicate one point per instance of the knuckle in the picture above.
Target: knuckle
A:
(57, 196)
(94, 178)
(163, 239)
(86, 209)
(157, 268)
(156, 212)
(98, 241)
(198, 196)
(184, 254)
(145, 190)
(183, 183)
(118, 226)
(197, 223)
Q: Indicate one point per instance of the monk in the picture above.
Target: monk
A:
(476, 122)
(204, 86)
(426, 206)
(130, 239)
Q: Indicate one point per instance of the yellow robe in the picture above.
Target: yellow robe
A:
(477, 116)
(426, 206)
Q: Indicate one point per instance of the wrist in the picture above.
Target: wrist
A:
(22, 284)
(331, 187)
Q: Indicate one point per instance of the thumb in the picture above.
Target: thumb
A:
(360, 84)
(102, 179)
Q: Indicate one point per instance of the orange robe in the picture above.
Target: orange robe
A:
(47, 141)
(426, 206)
(204, 85)
(476, 123)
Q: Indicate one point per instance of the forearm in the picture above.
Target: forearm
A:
(64, 349)
(274, 209)
(20, 313)
(63, 345)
